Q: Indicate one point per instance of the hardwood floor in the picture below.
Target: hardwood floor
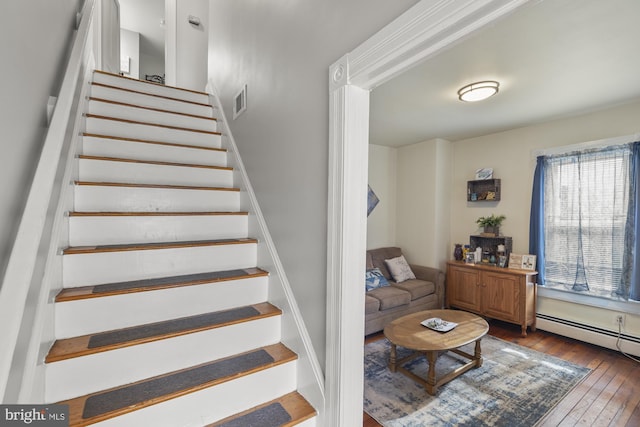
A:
(609, 396)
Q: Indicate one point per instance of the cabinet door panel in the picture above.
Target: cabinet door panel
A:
(501, 296)
(464, 289)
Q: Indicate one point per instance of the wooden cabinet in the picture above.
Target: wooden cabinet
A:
(499, 293)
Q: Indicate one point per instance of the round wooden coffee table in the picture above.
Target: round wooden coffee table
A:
(409, 333)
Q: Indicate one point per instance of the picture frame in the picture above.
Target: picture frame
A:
(484, 173)
(522, 262)
(372, 200)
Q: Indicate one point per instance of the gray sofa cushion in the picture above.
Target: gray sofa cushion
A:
(371, 304)
(390, 297)
(416, 287)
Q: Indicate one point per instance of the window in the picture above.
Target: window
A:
(583, 221)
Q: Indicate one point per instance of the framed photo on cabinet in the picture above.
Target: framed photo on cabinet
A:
(522, 262)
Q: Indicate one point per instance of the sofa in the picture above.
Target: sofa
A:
(397, 298)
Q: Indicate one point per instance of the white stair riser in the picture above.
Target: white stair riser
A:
(111, 230)
(143, 100)
(311, 422)
(145, 173)
(107, 267)
(108, 109)
(105, 147)
(99, 371)
(151, 88)
(92, 198)
(89, 316)
(213, 404)
(150, 132)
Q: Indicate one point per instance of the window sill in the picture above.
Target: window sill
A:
(575, 298)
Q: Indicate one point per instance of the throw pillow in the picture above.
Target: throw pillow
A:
(375, 279)
(399, 269)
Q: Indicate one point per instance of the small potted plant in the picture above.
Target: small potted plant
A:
(491, 224)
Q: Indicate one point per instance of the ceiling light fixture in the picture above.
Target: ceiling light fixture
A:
(478, 91)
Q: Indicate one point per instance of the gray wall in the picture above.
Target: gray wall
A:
(36, 37)
(282, 50)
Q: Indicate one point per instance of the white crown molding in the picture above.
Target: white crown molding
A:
(418, 34)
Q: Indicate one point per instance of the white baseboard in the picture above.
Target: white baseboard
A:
(603, 338)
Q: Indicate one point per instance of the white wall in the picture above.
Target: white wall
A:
(381, 223)
(187, 43)
(145, 17)
(151, 65)
(282, 50)
(130, 48)
(510, 155)
(413, 181)
(424, 178)
(36, 36)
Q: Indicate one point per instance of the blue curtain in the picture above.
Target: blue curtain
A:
(536, 222)
(634, 291)
(628, 286)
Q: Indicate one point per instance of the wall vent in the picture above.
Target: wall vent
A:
(240, 102)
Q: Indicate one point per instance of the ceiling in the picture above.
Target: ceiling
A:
(553, 59)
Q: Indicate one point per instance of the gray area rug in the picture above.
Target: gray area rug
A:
(515, 386)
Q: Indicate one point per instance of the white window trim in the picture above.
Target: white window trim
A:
(600, 143)
(576, 297)
(631, 307)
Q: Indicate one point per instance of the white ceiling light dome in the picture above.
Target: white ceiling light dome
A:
(478, 91)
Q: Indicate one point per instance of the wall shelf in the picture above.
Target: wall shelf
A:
(484, 190)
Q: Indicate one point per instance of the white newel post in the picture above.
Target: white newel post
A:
(347, 234)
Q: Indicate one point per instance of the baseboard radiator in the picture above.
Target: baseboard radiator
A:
(602, 337)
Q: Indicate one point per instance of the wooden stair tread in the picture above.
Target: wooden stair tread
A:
(153, 246)
(155, 213)
(159, 186)
(153, 162)
(170, 98)
(103, 405)
(136, 122)
(151, 83)
(119, 288)
(147, 141)
(293, 403)
(159, 110)
(110, 340)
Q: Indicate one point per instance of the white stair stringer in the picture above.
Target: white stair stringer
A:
(103, 146)
(101, 107)
(99, 371)
(92, 315)
(157, 239)
(107, 229)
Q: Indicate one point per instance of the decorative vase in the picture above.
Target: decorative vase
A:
(457, 252)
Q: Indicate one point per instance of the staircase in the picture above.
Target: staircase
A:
(164, 317)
